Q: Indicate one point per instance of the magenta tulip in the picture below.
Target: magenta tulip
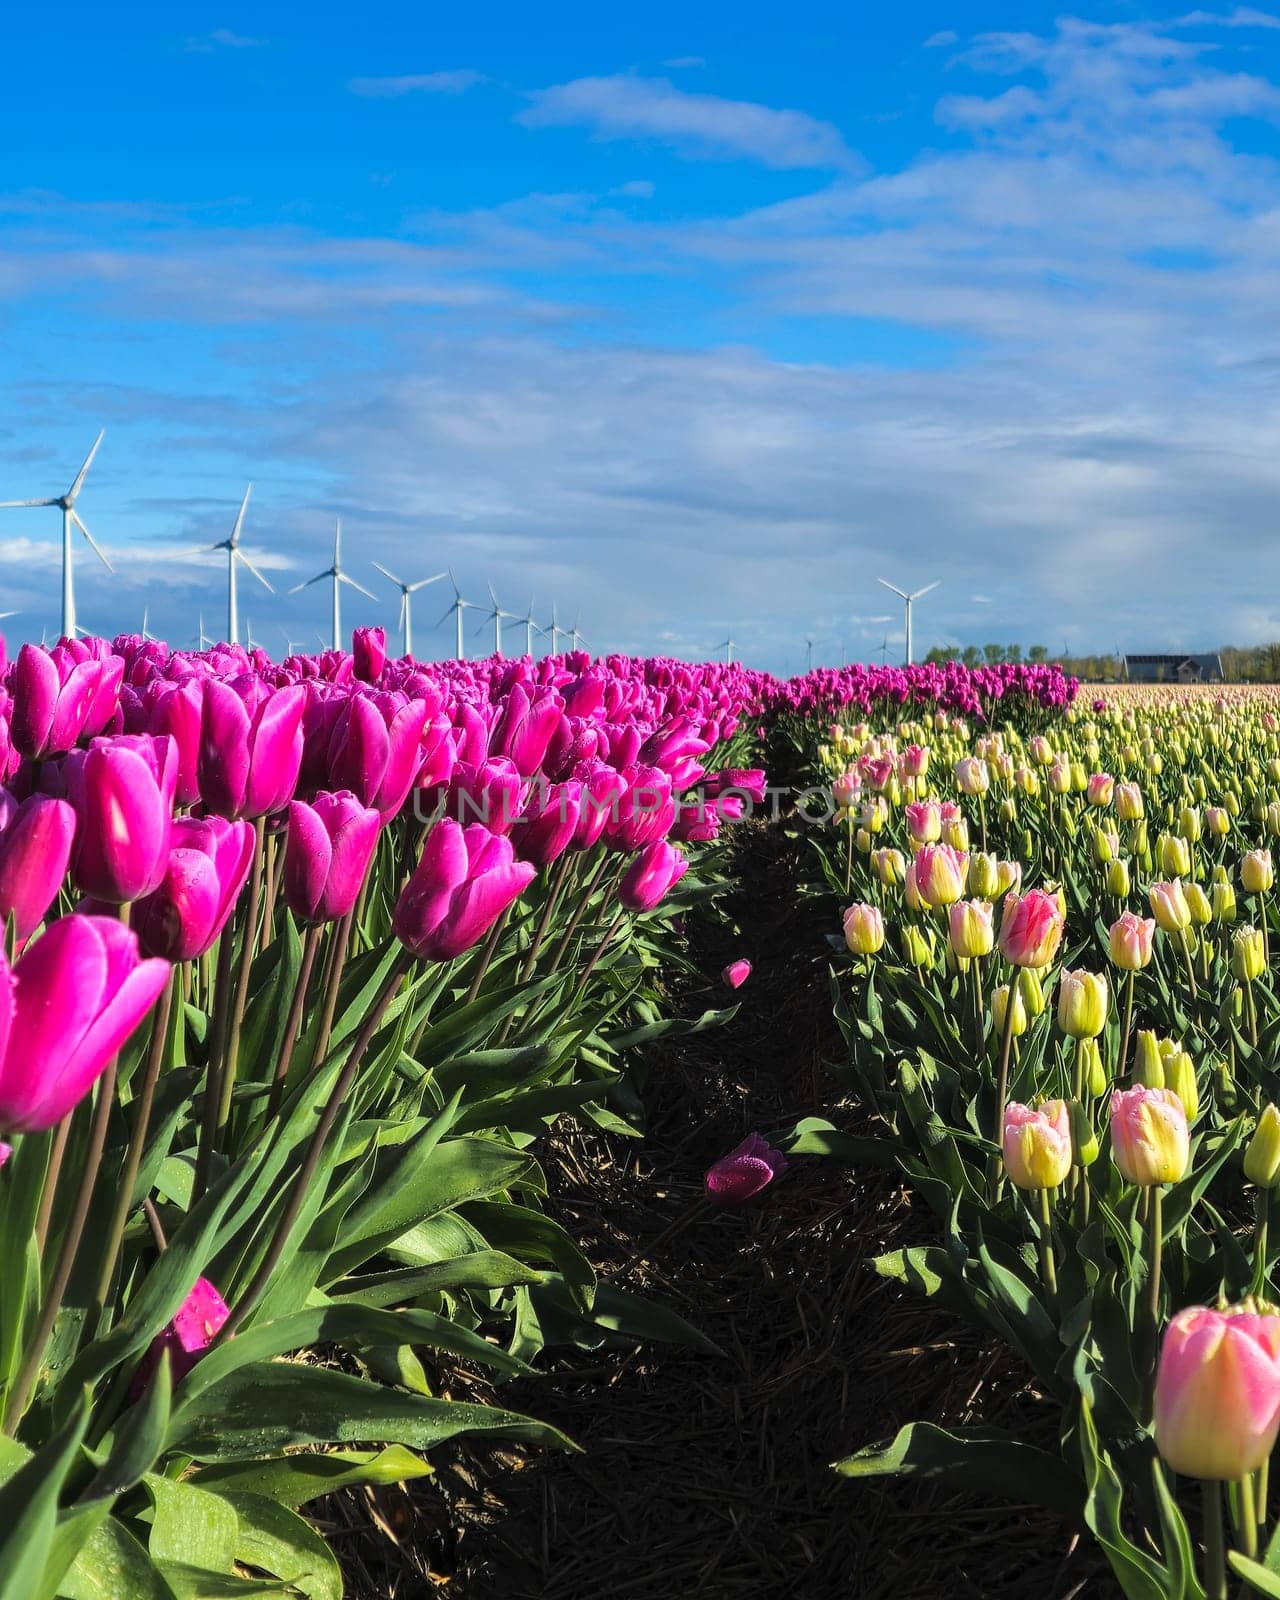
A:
(193, 1329)
(546, 827)
(466, 879)
(328, 849)
(208, 866)
(525, 729)
(369, 653)
(66, 1007)
(750, 1167)
(736, 973)
(656, 869)
(61, 696)
(490, 792)
(35, 850)
(250, 747)
(122, 789)
(375, 749)
(644, 813)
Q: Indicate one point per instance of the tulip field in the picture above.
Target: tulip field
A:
(306, 963)
(1059, 1004)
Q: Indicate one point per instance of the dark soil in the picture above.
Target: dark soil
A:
(705, 1476)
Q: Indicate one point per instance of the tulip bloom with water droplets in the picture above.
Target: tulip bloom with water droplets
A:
(744, 1172)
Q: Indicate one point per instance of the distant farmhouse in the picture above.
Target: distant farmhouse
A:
(1177, 668)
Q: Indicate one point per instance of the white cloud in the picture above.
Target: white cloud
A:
(457, 81)
(699, 125)
(222, 39)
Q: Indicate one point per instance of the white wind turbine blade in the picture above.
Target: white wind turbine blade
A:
(337, 544)
(93, 543)
(928, 589)
(4, 614)
(901, 593)
(399, 583)
(13, 505)
(299, 587)
(240, 556)
(448, 612)
(83, 473)
(235, 532)
(404, 606)
(351, 582)
(423, 582)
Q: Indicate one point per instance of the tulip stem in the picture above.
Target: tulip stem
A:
(52, 1173)
(24, 1383)
(1261, 1208)
(307, 1171)
(848, 852)
(1251, 1011)
(1155, 1236)
(271, 870)
(213, 1071)
(137, 1144)
(1190, 964)
(1002, 1087)
(588, 890)
(1047, 1264)
(310, 945)
(486, 955)
(1122, 1064)
(248, 944)
(595, 959)
(1248, 1520)
(334, 968)
(1215, 1551)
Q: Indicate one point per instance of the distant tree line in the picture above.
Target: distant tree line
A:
(1240, 664)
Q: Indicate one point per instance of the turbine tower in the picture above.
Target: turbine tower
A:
(497, 616)
(234, 554)
(339, 577)
(455, 609)
(66, 503)
(907, 600)
(726, 645)
(406, 589)
(575, 637)
(530, 628)
(555, 631)
(147, 635)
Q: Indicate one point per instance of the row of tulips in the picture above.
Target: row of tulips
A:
(1058, 988)
(301, 959)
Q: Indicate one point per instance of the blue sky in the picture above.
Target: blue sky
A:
(689, 323)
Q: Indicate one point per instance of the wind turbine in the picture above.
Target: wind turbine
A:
(203, 641)
(808, 645)
(234, 554)
(575, 638)
(496, 617)
(67, 505)
(339, 578)
(884, 650)
(406, 589)
(530, 628)
(455, 609)
(726, 645)
(907, 600)
(556, 630)
(146, 632)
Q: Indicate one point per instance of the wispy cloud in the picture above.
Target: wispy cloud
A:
(457, 81)
(704, 126)
(222, 39)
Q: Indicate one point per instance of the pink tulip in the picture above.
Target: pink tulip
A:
(525, 729)
(122, 789)
(1149, 1137)
(736, 973)
(369, 653)
(1132, 938)
(940, 874)
(1037, 1144)
(545, 829)
(644, 812)
(748, 1168)
(924, 821)
(66, 1007)
(374, 751)
(61, 696)
(208, 866)
(491, 793)
(1030, 928)
(465, 880)
(194, 1327)
(250, 747)
(1100, 789)
(328, 848)
(655, 870)
(35, 849)
(1218, 1392)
